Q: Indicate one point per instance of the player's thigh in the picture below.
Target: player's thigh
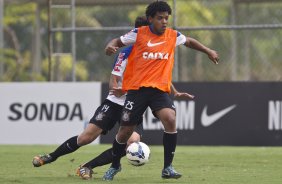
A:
(163, 108)
(137, 134)
(168, 118)
(106, 116)
(90, 133)
(139, 128)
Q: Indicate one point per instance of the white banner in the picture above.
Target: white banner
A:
(45, 113)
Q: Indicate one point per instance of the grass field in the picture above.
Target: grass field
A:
(209, 165)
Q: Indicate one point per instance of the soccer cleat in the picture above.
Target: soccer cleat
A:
(109, 175)
(41, 160)
(84, 172)
(169, 173)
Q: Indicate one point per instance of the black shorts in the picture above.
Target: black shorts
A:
(108, 114)
(137, 102)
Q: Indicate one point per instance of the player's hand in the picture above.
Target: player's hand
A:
(110, 50)
(213, 56)
(117, 91)
(180, 95)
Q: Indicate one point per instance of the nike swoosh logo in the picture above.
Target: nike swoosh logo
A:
(149, 44)
(208, 120)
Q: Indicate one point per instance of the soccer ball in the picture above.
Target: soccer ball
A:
(138, 153)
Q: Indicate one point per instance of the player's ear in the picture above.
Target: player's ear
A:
(150, 19)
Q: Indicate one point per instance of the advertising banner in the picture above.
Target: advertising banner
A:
(45, 113)
(231, 113)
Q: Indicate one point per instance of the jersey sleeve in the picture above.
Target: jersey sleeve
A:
(181, 39)
(121, 62)
(130, 37)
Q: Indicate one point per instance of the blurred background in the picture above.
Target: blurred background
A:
(54, 74)
(64, 40)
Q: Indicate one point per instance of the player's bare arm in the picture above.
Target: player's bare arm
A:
(113, 46)
(113, 85)
(117, 91)
(114, 79)
(180, 95)
(194, 44)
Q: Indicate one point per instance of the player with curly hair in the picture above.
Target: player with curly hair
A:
(147, 80)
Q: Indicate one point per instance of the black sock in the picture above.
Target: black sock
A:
(103, 159)
(67, 147)
(169, 142)
(117, 153)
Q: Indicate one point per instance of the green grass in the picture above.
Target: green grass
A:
(208, 165)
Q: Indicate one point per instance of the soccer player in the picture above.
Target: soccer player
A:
(104, 119)
(147, 80)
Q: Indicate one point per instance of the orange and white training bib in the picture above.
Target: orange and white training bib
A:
(151, 60)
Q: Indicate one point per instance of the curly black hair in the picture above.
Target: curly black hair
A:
(141, 21)
(157, 6)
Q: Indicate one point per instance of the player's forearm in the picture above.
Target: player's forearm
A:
(113, 81)
(194, 44)
(115, 89)
(115, 43)
(113, 46)
(173, 89)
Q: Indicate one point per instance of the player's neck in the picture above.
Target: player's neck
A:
(153, 30)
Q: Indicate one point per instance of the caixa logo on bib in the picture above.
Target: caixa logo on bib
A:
(45, 111)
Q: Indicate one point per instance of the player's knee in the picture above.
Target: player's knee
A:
(170, 119)
(169, 123)
(135, 137)
(166, 115)
(124, 134)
